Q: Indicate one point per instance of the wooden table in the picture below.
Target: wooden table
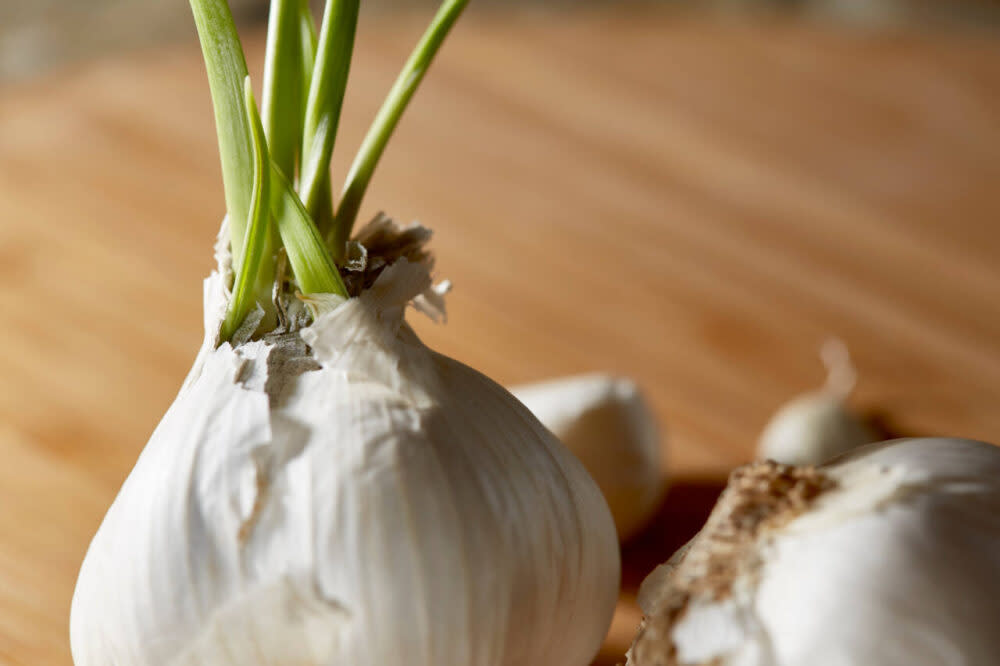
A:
(696, 204)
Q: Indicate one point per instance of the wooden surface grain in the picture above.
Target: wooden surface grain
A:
(696, 204)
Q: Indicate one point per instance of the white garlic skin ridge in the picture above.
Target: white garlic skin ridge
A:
(812, 429)
(605, 421)
(900, 564)
(392, 507)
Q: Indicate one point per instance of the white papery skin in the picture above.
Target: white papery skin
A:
(605, 422)
(392, 507)
(900, 566)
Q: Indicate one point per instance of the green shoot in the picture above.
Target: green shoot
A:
(257, 229)
(227, 69)
(326, 97)
(311, 262)
(283, 96)
(290, 140)
(307, 41)
(388, 117)
(304, 60)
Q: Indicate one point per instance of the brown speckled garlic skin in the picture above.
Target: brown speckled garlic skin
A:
(761, 496)
(889, 555)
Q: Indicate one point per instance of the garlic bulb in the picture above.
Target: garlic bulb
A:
(891, 556)
(361, 500)
(606, 423)
(818, 426)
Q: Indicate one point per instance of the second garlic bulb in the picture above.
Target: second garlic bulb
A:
(607, 424)
(890, 556)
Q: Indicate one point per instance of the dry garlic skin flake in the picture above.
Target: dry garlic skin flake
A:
(605, 422)
(363, 500)
(890, 556)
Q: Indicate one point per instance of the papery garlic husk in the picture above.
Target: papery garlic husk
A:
(363, 501)
(605, 421)
(887, 557)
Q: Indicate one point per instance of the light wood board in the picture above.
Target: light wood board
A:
(692, 203)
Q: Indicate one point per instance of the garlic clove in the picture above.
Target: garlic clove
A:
(818, 426)
(812, 429)
(890, 555)
(606, 423)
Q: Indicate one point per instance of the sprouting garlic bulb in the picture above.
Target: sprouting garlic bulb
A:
(889, 557)
(363, 500)
(816, 427)
(607, 424)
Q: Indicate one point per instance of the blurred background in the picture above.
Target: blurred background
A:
(693, 194)
(38, 34)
